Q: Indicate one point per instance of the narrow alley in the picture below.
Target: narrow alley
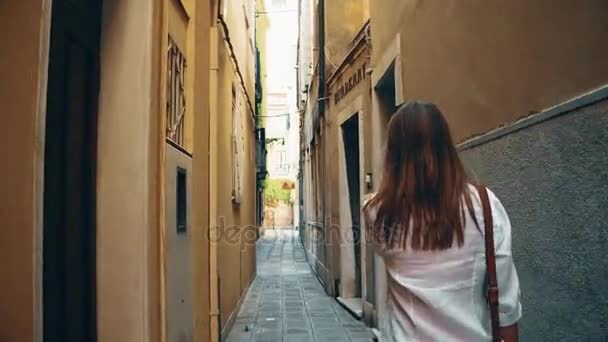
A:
(286, 302)
(151, 147)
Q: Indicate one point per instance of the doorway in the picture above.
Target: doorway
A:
(386, 92)
(350, 134)
(69, 244)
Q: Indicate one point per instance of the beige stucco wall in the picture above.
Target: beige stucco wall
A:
(355, 102)
(262, 26)
(489, 63)
(24, 29)
(153, 301)
(201, 174)
(317, 215)
(189, 24)
(236, 260)
(178, 250)
(484, 63)
(239, 16)
(128, 188)
(236, 223)
(130, 142)
(345, 270)
(343, 19)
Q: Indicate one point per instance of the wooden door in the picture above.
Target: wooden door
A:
(69, 295)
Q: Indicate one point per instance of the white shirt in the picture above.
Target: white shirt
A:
(440, 295)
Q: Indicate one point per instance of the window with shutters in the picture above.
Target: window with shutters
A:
(237, 145)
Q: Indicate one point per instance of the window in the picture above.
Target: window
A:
(181, 208)
(237, 146)
(176, 95)
(386, 91)
(283, 159)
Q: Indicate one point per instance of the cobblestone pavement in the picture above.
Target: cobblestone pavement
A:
(287, 303)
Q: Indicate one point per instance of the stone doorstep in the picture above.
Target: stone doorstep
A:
(352, 305)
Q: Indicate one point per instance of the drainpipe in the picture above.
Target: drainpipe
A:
(321, 106)
(215, 329)
(300, 112)
(298, 48)
(301, 193)
(321, 38)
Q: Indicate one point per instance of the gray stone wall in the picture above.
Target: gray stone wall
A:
(552, 178)
(178, 249)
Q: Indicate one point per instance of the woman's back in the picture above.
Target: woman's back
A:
(425, 220)
(440, 295)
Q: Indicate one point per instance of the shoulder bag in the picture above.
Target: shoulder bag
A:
(492, 294)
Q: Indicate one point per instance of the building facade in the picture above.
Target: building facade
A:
(277, 31)
(520, 96)
(523, 86)
(233, 210)
(348, 110)
(116, 226)
(334, 83)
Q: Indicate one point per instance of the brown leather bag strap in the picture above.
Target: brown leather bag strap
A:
(490, 262)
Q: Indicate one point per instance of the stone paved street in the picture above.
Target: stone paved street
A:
(286, 301)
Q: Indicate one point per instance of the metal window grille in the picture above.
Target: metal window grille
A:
(176, 94)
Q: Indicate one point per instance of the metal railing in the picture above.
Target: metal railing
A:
(176, 94)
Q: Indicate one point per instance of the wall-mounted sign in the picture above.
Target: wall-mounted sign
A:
(288, 185)
(350, 84)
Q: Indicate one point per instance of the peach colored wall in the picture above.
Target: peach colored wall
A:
(240, 18)
(489, 63)
(236, 258)
(343, 19)
(200, 170)
(128, 171)
(24, 29)
(336, 190)
(235, 252)
(179, 250)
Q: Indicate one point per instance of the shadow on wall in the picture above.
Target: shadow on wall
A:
(552, 178)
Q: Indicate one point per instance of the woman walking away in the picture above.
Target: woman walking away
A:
(427, 221)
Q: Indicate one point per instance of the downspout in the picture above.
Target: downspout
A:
(214, 289)
(321, 106)
(298, 94)
(301, 112)
(321, 38)
(214, 286)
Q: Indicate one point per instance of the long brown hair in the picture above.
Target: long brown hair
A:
(424, 189)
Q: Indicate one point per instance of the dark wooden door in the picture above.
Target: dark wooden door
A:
(350, 131)
(69, 250)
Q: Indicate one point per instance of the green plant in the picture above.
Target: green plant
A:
(262, 183)
(274, 193)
